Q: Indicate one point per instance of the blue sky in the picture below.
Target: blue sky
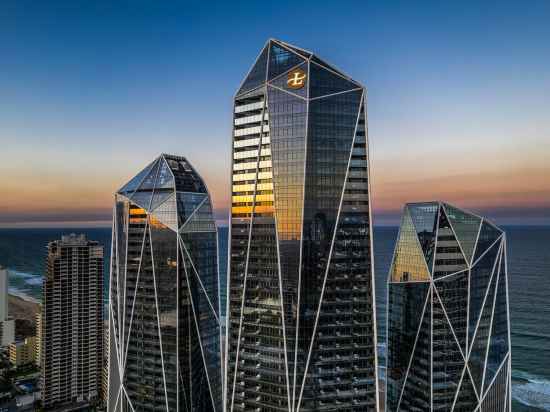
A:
(459, 97)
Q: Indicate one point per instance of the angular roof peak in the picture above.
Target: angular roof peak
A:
(167, 156)
(166, 172)
(299, 50)
(278, 57)
(423, 203)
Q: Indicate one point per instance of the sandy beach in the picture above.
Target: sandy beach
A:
(19, 308)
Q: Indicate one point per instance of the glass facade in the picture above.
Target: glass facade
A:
(164, 322)
(448, 319)
(300, 316)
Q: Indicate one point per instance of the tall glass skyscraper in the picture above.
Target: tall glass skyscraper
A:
(163, 305)
(448, 317)
(301, 324)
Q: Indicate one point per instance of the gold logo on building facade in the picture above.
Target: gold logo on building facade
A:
(296, 79)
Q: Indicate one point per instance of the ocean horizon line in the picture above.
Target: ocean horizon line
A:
(221, 224)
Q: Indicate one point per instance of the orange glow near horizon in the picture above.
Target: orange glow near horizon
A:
(525, 188)
(509, 179)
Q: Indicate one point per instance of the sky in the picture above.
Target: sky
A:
(91, 92)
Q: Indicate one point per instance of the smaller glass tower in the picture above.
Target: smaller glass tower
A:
(164, 316)
(448, 318)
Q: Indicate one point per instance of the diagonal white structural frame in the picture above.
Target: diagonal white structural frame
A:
(330, 255)
(500, 256)
(229, 397)
(121, 342)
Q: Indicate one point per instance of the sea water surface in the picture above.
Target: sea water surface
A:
(23, 252)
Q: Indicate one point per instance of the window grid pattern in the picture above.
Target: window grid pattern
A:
(300, 314)
(165, 341)
(457, 358)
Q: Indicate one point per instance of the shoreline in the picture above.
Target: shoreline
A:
(23, 280)
(22, 307)
(23, 296)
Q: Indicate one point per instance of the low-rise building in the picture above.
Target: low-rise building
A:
(23, 352)
(7, 332)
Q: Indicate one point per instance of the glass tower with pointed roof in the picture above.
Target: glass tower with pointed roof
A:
(164, 328)
(301, 331)
(448, 320)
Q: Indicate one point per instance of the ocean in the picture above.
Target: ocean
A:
(23, 252)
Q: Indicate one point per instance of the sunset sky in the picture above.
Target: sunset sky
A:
(90, 92)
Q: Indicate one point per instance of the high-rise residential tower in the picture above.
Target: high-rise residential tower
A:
(72, 321)
(448, 318)
(38, 342)
(301, 330)
(4, 278)
(7, 325)
(164, 328)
